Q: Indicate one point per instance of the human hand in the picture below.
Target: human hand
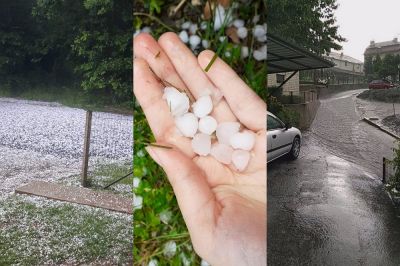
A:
(224, 210)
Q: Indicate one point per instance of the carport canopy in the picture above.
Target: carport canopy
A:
(287, 57)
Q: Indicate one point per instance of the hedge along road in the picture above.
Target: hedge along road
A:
(329, 207)
(44, 141)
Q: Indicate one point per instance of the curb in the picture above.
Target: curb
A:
(381, 128)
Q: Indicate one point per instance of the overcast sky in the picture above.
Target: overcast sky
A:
(361, 21)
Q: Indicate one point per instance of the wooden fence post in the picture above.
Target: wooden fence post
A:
(86, 145)
(384, 171)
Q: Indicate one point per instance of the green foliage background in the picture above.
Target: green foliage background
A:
(150, 233)
(82, 44)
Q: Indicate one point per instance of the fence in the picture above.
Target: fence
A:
(108, 148)
(388, 171)
(298, 97)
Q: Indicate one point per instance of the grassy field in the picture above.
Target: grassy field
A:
(38, 231)
(389, 95)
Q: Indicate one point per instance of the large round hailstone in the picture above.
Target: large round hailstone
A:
(186, 25)
(205, 44)
(243, 140)
(207, 125)
(259, 30)
(242, 32)
(260, 54)
(194, 41)
(184, 36)
(201, 144)
(187, 124)
(178, 102)
(203, 106)
(240, 159)
(226, 130)
(238, 23)
(193, 28)
(222, 153)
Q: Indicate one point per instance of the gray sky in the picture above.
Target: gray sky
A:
(361, 21)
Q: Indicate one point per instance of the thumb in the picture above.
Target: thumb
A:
(194, 195)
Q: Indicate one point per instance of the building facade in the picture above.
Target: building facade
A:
(382, 48)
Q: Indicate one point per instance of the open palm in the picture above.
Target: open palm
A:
(224, 210)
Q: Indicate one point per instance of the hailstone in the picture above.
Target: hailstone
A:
(201, 144)
(207, 125)
(203, 106)
(226, 130)
(187, 124)
(243, 140)
(240, 159)
(178, 102)
(222, 153)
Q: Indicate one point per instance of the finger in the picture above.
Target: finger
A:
(250, 109)
(148, 91)
(147, 48)
(195, 198)
(192, 75)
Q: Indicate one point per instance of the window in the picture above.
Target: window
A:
(280, 78)
(345, 63)
(273, 123)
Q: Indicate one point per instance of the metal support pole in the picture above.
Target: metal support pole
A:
(86, 145)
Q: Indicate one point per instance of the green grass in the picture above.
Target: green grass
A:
(39, 232)
(390, 95)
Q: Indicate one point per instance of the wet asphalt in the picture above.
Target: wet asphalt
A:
(329, 206)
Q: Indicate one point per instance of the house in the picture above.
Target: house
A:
(382, 48)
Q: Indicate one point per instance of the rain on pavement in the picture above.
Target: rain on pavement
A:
(329, 206)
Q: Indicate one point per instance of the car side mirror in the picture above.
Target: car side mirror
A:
(287, 126)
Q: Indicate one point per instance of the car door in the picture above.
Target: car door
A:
(278, 138)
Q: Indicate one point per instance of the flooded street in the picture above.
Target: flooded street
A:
(329, 207)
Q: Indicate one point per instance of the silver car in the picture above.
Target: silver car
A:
(281, 139)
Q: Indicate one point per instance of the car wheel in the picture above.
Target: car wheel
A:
(295, 150)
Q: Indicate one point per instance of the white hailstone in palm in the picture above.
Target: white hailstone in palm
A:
(184, 36)
(153, 262)
(262, 38)
(193, 28)
(219, 17)
(261, 53)
(226, 130)
(207, 125)
(244, 51)
(201, 144)
(243, 140)
(203, 106)
(146, 29)
(186, 25)
(238, 23)
(205, 44)
(178, 102)
(242, 32)
(137, 202)
(187, 124)
(194, 41)
(222, 152)
(259, 31)
(169, 249)
(240, 159)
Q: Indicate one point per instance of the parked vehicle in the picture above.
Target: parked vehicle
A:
(380, 84)
(282, 139)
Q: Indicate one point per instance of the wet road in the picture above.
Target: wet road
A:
(329, 207)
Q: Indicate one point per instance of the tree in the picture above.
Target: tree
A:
(377, 66)
(369, 68)
(311, 24)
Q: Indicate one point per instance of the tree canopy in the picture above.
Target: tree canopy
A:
(309, 23)
(87, 41)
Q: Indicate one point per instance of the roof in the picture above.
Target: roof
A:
(383, 44)
(283, 56)
(343, 57)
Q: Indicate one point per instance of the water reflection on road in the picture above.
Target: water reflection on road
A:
(329, 207)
